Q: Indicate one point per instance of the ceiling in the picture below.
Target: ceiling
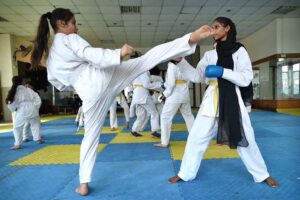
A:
(102, 24)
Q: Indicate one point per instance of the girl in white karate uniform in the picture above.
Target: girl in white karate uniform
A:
(121, 100)
(98, 75)
(222, 110)
(26, 103)
(141, 97)
(177, 96)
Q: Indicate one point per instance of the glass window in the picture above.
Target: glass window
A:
(296, 69)
(285, 83)
(285, 68)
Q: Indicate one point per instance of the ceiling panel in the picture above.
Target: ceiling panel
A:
(173, 2)
(194, 2)
(58, 3)
(236, 2)
(37, 2)
(112, 10)
(89, 9)
(190, 9)
(85, 2)
(130, 2)
(112, 17)
(150, 10)
(152, 2)
(23, 10)
(43, 9)
(256, 2)
(159, 20)
(149, 17)
(108, 2)
(215, 2)
(247, 10)
(14, 2)
(169, 10)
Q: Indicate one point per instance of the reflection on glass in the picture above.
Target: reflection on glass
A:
(285, 68)
(296, 69)
(285, 83)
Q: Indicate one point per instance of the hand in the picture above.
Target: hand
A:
(213, 71)
(201, 33)
(161, 98)
(126, 50)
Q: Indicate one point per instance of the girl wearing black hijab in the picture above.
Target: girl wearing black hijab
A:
(222, 111)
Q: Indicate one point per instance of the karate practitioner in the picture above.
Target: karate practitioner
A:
(156, 93)
(121, 100)
(97, 75)
(222, 111)
(142, 98)
(176, 96)
(26, 103)
(79, 118)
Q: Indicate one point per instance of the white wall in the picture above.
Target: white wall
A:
(288, 31)
(280, 36)
(7, 70)
(262, 43)
(6, 64)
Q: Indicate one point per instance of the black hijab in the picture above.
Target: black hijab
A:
(230, 126)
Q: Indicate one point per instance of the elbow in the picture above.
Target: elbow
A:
(245, 83)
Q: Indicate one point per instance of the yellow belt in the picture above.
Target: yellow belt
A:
(216, 93)
(121, 97)
(138, 85)
(180, 82)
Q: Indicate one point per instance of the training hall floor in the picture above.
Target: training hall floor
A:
(131, 168)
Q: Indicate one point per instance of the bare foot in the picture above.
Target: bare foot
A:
(16, 147)
(82, 189)
(174, 179)
(161, 145)
(113, 129)
(271, 182)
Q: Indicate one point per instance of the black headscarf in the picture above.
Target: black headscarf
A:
(230, 126)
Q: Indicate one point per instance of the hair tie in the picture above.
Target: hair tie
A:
(49, 15)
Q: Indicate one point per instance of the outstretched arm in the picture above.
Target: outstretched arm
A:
(203, 32)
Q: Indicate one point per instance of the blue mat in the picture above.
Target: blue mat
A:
(140, 171)
(133, 152)
(128, 180)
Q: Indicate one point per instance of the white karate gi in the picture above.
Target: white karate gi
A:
(26, 104)
(98, 77)
(113, 119)
(141, 97)
(159, 105)
(120, 99)
(26, 127)
(206, 123)
(80, 118)
(26, 130)
(177, 97)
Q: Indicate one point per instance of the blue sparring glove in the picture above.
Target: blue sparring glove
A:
(213, 71)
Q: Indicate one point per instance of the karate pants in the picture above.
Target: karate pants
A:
(203, 130)
(35, 126)
(113, 119)
(149, 106)
(26, 130)
(167, 115)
